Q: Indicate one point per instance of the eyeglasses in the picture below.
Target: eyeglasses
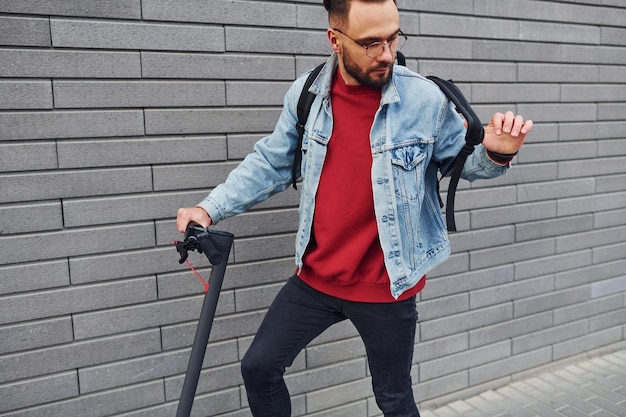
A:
(373, 50)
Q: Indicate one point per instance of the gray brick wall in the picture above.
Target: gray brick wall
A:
(114, 114)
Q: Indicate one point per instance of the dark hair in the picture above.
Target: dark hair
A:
(338, 9)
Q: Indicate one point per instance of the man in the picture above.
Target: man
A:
(370, 225)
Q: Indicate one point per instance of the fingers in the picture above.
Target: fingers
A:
(510, 123)
(191, 214)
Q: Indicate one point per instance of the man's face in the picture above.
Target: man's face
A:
(367, 23)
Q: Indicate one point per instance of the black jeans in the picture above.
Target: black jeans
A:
(298, 315)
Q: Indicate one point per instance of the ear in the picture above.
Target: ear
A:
(333, 40)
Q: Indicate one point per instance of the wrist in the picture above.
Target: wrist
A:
(500, 158)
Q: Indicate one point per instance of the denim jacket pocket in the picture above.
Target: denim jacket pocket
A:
(408, 170)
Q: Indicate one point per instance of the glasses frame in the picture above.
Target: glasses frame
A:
(376, 44)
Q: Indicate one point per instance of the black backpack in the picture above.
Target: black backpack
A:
(473, 137)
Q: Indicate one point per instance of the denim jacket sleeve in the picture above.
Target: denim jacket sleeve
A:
(264, 172)
(451, 139)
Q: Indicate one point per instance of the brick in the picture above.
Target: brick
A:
(125, 319)
(610, 73)
(77, 355)
(586, 204)
(27, 156)
(33, 276)
(444, 306)
(40, 390)
(101, 404)
(205, 66)
(553, 11)
(118, 152)
(436, 348)
(442, 48)
(565, 112)
(609, 253)
(555, 190)
(315, 17)
(24, 31)
(508, 215)
(469, 71)
(160, 365)
(549, 301)
(593, 131)
(611, 111)
(612, 147)
(93, 211)
(510, 329)
(510, 291)
(549, 72)
(70, 124)
(57, 302)
(97, 94)
(592, 92)
(261, 40)
(462, 27)
(34, 335)
(552, 264)
(52, 245)
(462, 282)
(514, 93)
(69, 64)
(64, 184)
(590, 239)
(71, 33)
(124, 9)
(255, 94)
(589, 274)
(608, 320)
(255, 13)
(612, 36)
(464, 360)
(188, 176)
(209, 121)
(608, 287)
(265, 248)
(586, 343)
(553, 227)
(239, 146)
(559, 33)
(485, 258)
(446, 326)
(509, 365)
(557, 151)
(25, 94)
(480, 239)
(601, 166)
(23, 218)
(441, 386)
(545, 337)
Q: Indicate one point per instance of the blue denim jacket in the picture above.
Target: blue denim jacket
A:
(415, 132)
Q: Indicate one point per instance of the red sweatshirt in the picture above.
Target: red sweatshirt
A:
(344, 258)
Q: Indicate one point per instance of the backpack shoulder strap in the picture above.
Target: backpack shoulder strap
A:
(474, 135)
(304, 106)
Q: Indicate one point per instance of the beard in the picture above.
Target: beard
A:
(367, 77)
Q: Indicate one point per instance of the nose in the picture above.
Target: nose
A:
(387, 54)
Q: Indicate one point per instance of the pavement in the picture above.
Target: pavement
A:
(594, 387)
